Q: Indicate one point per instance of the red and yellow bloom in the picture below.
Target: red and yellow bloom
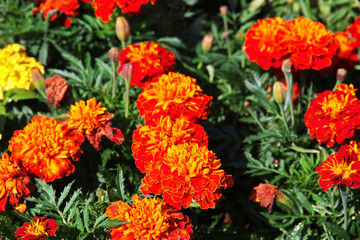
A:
(354, 30)
(40, 229)
(333, 115)
(148, 59)
(148, 218)
(44, 148)
(94, 121)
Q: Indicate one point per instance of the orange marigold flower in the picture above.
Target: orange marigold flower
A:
(311, 44)
(265, 194)
(173, 94)
(39, 228)
(148, 218)
(354, 30)
(189, 172)
(15, 183)
(94, 121)
(148, 59)
(44, 148)
(342, 167)
(150, 142)
(57, 90)
(104, 9)
(264, 42)
(333, 115)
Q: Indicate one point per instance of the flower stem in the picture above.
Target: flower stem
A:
(127, 90)
(226, 28)
(113, 79)
(344, 193)
(289, 89)
(283, 116)
(256, 119)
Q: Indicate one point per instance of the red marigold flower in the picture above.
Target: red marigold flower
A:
(354, 30)
(264, 42)
(333, 115)
(311, 44)
(342, 167)
(94, 121)
(14, 183)
(39, 228)
(148, 59)
(150, 142)
(133, 7)
(57, 90)
(175, 95)
(44, 148)
(265, 194)
(188, 172)
(148, 218)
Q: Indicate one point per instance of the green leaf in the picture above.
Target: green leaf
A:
(304, 201)
(78, 221)
(111, 223)
(100, 219)
(64, 194)
(50, 192)
(43, 52)
(71, 202)
(336, 229)
(20, 94)
(120, 183)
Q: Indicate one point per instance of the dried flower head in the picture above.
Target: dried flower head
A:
(58, 91)
(265, 194)
(94, 121)
(148, 218)
(39, 228)
(44, 148)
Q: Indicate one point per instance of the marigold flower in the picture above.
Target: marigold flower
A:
(264, 42)
(342, 167)
(14, 183)
(354, 30)
(149, 60)
(150, 142)
(39, 228)
(333, 116)
(148, 218)
(173, 94)
(188, 172)
(265, 194)
(94, 122)
(44, 148)
(58, 91)
(310, 43)
(16, 67)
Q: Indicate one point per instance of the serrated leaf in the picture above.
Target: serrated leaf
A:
(20, 94)
(304, 201)
(50, 192)
(43, 52)
(111, 223)
(120, 182)
(64, 194)
(71, 202)
(78, 221)
(99, 219)
(336, 229)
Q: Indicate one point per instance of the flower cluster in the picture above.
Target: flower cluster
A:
(333, 116)
(16, 66)
(68, 8)
(308, 44)
(105, 8)
(148, 59)
(39, 228)
(148, 218)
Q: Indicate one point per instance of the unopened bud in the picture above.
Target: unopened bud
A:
(225, 34)
(286, 66)
(127, 71)
(279, 92)
(37, 78)
(246, 104)
(224, 10)
(99, 192)
(122, 29)
(207, 42)
(340, 74)
(114, 54)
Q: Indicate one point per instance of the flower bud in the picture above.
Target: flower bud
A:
(207, 42)
(279, 92)
(340, 74)
(127, 71)
(114, 54)
(37, 77)
(225, 34)
(224, 10)
(122, 29)
(286, 66)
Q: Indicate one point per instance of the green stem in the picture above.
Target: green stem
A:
(289, 86)
(127, 90)
(256, 119)
(113, 79)
(344, 193)
(226, 28)
(123, 44)
(281, 106)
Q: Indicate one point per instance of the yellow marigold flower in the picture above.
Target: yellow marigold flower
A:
(14, 184)
(44, 148)
(16, 66)
(148, 218)
(94, 121)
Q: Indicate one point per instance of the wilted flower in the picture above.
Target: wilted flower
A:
(16, 67)
(122, 29)
(148, 218)
(15, 184)
(94, 122)
(175, 95)
(58, 91)
(148, 59)
(334, 116)
(39, 228)
(44, 148)
(265, 194)
(207, 42)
